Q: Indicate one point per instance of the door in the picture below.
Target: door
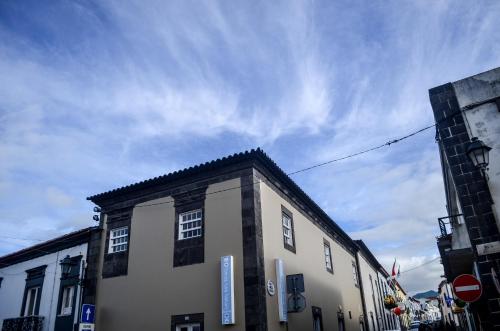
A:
(188, 327)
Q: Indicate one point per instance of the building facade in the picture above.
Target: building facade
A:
(167, 243)
(451, 314)
(34, 294)
(372, 275)
(470, 238)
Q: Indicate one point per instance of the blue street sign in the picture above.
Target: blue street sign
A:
(88, 313)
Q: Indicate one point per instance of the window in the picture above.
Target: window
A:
(30, 307)
(188, 327)
(67, 300)
(190, 224)
(317, 319)
(33, 291)
(118, 240)
(355, 274)
(288, 234)
(328, 256)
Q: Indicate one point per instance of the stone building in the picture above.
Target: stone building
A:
(34, 293)
(467, 113)
(209, 247)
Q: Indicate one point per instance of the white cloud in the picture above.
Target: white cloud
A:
(126, 91)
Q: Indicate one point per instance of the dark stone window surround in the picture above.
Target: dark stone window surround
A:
(250, 173)
(35, 278)
(187, 319)
(288, 213)
(116, 264)
(189, 251)
(286, 195)
(63, 322)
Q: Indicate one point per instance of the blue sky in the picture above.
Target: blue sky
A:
(99, 94)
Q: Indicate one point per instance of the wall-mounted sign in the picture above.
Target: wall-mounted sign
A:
(281, 287)
(467, 288)
(227, 289)
(488, 248)
(270, 287)
(86, 327)
(88, 313)
(295, 283)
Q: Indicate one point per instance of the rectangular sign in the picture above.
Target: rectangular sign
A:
(281, 288)
(88, 313)
(488, 248)
(227, 289)
(295, 283)
(86, 327)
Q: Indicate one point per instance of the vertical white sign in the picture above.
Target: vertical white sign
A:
(281, 288)
(227, 289)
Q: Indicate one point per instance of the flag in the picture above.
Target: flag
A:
(393, 273)
(399, 271)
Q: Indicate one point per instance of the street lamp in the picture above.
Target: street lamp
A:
(479, 154)
(66, 265)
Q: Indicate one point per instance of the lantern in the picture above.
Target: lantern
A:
(66, 264)
(478, 153)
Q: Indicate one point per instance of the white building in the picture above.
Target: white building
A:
(467, 114)
(375, 288)
(34, 295)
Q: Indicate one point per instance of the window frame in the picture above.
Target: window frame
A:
(328, 257)
(67, 300)
(113, 236)
(317, 318)
(197, 228)
(355, 275)
(285, 213)
(31, 299)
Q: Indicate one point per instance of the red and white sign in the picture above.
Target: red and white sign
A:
(467, 288)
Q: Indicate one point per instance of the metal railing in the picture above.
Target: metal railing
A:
(26, 323)
(447, 227)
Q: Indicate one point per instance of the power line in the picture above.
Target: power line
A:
(388, 143)
(362, 152)
(421, 265)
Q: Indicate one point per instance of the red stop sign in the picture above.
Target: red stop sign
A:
(467, 288)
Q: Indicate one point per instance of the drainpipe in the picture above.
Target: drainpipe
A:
(365, 313)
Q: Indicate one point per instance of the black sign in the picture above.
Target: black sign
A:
(295, 283)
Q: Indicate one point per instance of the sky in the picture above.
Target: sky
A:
(95, 95)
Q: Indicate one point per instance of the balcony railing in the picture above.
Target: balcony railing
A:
(26, 323)
(446, 227)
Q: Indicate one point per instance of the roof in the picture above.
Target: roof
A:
(257, 157)
(48, 247)
(369, 255)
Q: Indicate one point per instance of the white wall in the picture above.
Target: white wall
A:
(14, 281)
(484, 121)
(366, 270)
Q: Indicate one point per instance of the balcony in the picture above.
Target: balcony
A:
(454, 246)
(26, 323)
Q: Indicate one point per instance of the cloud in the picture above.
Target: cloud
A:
(94, 96)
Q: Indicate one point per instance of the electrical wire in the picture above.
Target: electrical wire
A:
(388, 143)
(421, 265)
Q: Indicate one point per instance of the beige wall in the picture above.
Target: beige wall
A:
(323, 289)
(153, 290)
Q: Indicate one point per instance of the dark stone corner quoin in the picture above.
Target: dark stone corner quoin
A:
(472, 191)
(188, 188)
